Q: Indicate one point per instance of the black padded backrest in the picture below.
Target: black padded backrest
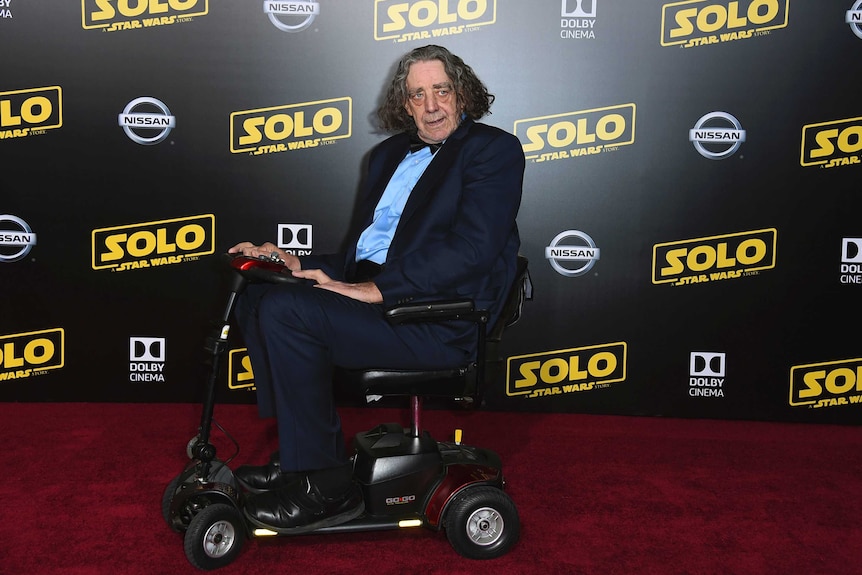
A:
(521, 291)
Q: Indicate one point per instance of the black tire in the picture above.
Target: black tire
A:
(482, 523)
(167, 499)
(215, 536)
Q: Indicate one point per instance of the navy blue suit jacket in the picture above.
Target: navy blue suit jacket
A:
(457, 236)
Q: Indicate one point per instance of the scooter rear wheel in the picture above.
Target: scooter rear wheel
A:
(215, 536)
(167, 499)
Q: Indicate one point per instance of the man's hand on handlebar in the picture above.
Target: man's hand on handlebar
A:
(365, 291)
(268, 251)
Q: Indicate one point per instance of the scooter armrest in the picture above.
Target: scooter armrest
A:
(445, 310)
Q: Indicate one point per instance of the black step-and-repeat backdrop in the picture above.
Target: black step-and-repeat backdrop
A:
(691, 205)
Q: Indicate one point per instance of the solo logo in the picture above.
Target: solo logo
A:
(114, 15)
(293, 16)
(147, 121)
(147, 359)
(240, 374)
(32, 353)
(16, 238)
(30, 112)
(290, 127)
(703, 22)
(575, 134)
(566, 370)
(714, 258)
(423, 19)
(826, 384)
(153, 244)
(832, 144)
(854, 18)
(581, 255)
(295, 238)
(717, 135)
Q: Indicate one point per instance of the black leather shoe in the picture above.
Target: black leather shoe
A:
(300, 508)
(261, 478)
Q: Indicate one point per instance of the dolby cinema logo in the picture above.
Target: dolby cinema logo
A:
(294, 16)
(146, 359)
(577, 19)
(851, 260)
(717, 135)
(295, 238)
(572, 253)
(579, 8)
(706, 374)
(147, 121)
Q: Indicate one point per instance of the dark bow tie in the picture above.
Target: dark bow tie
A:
(416, 144)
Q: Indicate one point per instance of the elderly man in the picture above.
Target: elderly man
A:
(436, 220)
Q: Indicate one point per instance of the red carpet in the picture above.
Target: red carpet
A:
(597, 495)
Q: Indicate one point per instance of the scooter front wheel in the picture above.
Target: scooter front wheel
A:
(214, 537)
(482, 523)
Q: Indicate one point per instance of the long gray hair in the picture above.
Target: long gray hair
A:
(473, 97)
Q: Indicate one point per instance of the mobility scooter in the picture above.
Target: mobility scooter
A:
(407, 478)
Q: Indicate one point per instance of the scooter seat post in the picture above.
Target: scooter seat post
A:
(416, 414)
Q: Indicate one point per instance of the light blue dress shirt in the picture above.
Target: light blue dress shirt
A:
(374, 242)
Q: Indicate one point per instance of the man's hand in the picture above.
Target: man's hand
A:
(266, 250)
(366, 291)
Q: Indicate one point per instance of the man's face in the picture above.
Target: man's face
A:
(431, 101)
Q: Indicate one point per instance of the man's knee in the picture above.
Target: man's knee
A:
(288, 305)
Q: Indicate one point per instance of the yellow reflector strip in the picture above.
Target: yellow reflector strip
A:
(458, 437)
(410, 523)
(264, 533)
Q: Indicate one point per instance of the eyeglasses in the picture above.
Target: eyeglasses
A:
(442, 92)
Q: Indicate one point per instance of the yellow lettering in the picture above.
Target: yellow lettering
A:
(852, 133)
(684, 25)
(529, 378)
(554, 370)
(39, 351)
(396, 19)
(246, 375)
(758, 251)
(141, 243)
(115, 251)
(272, 129)
(125, 8)
(716, 13)
(251, 127)
(197, 233)
(813, 388)
(603, 357)
(320, 124)
(674, 258)
(105, 12)
(754, 15)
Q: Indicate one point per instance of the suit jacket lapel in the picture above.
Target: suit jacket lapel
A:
(422, 192)
(424, 189)
(383, 170)
(389, 163)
